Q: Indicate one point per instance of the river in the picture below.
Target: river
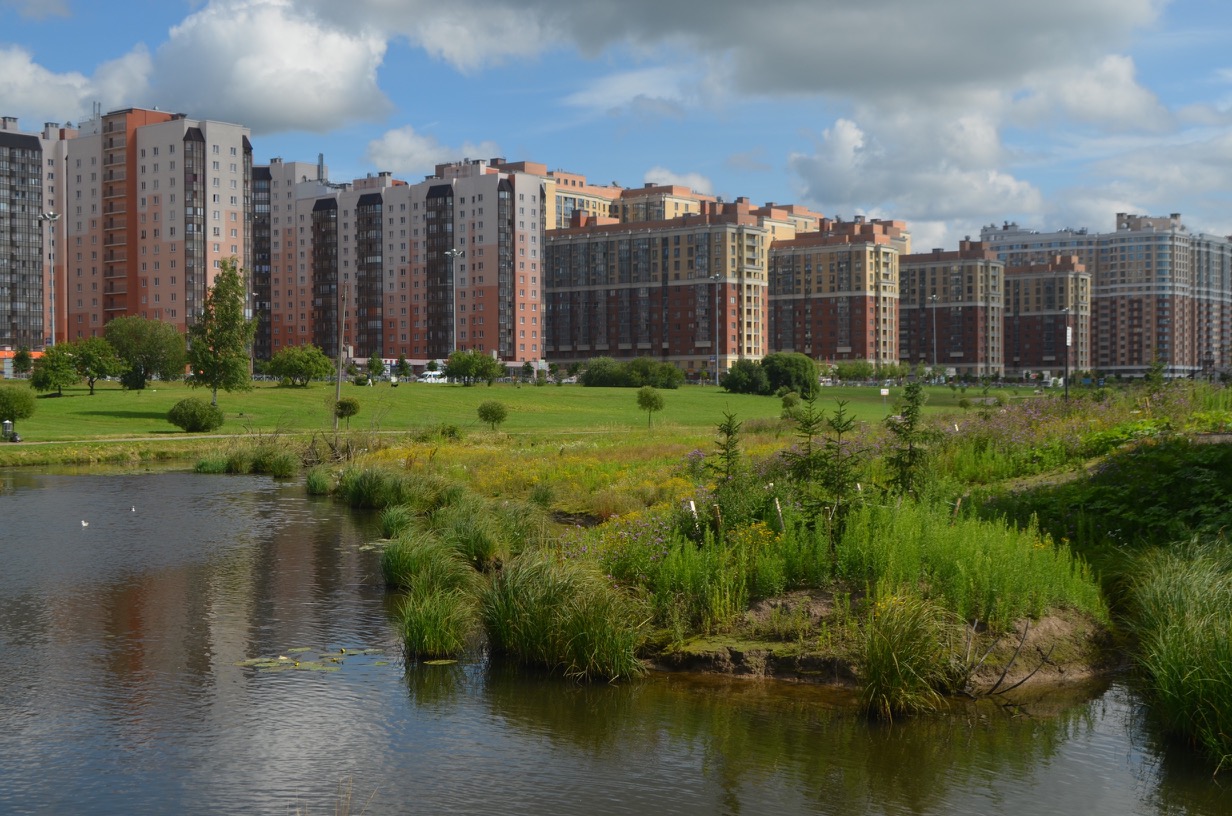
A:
(134, 604)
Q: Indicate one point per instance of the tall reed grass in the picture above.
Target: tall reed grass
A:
(905, 656)
(564, 617)
(1181, 612)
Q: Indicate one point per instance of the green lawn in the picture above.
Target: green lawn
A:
(112, 413)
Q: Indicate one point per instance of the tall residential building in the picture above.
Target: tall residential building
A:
(1047, 318)
(689, 290)
(154, 203)
(1159, 293)
(834, 293)
(388, 268)
(951, 306)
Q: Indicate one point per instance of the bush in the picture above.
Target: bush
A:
(195, 415)
(16, 402)
(492, 412)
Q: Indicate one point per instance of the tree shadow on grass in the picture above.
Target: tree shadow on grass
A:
(127, 414)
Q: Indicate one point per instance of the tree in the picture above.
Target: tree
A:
(402, 368)
(854, 370)
(54, 370)
(745, 377)
(297, 366)
(218, 343)
(149, 348)
(16, 402)
(791, 371)
(95, 358)
(492, 412)
(346, 408)
(909, 442)
(376, 367)
(649, 400)
(23, 361)
(473, 366)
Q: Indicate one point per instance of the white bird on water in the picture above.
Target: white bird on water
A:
(133, 509)
(85, 523)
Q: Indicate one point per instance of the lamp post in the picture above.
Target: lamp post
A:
(1065, 312)
(453, 255)
(50, 218)
(933, 299)
(715, 279)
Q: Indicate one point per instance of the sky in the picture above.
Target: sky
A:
(947, 114)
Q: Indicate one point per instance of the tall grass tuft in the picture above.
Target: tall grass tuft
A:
(318, 481)
(1181, 608)
(562, 616)
(904, 657)
(374, 487)
(472, 531)
(438, 623)
(418, 562)
(212, 463)
(395, 520)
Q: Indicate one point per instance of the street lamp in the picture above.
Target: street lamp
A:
(933, 298)
(453, 255)
(51, 218)
(716, 279)
(1065, 311)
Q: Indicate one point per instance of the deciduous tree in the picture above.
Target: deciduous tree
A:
(649, 400)
(299, 365)
(54, 370)
(219, 340)
(95, 358)
(149, 348)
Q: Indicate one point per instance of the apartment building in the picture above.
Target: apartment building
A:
(1159, 292)
(1047, 318)
(388, 268)
(153, 203)
(834, 293)
(951, 310)
(689, 290)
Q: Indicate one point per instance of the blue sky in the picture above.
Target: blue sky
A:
(948, 114)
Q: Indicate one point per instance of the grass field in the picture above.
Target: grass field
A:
(112, 413)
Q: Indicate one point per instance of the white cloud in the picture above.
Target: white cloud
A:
(694, 181)
(268, 65)
(1105, 94)
(405, 152)
(38, 9)
(32, 91)
(658, 91)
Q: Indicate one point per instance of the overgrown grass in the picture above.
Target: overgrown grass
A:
(438, 623)
(1181, 612)
(564, 617)
(906, 656)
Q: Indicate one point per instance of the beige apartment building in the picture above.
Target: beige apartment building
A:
(1047, 318)
(1158, 292)
(834, 293)
(688, 290)
(952, 312)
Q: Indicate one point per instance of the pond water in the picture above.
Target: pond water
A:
(122, 691)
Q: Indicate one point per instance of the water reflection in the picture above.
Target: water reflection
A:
(120, 692)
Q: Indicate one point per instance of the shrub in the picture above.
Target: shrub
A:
(347, 407)
(16, 402)
(492, 412)
(195, 415)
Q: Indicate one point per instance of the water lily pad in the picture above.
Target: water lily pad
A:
(439, 662)
(299, 650)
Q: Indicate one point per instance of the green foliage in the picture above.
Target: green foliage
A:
(650, 401)
(23, 361)
(402, 368)
(195, 416)
(220, 339)
(727, 448)
(792, 371)
(376, 367)
(1181, 603)
(492, 412)
(148, 348)
(54, 370)
(318, 481)
(604, 372)
(473, 366)
(299, 365)
(564, 617)
(94, 359)
(438, 623)
(854, 370)
(905, 658)
(16, 402)
(346, 408)
(910, 439)
(746, 377)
